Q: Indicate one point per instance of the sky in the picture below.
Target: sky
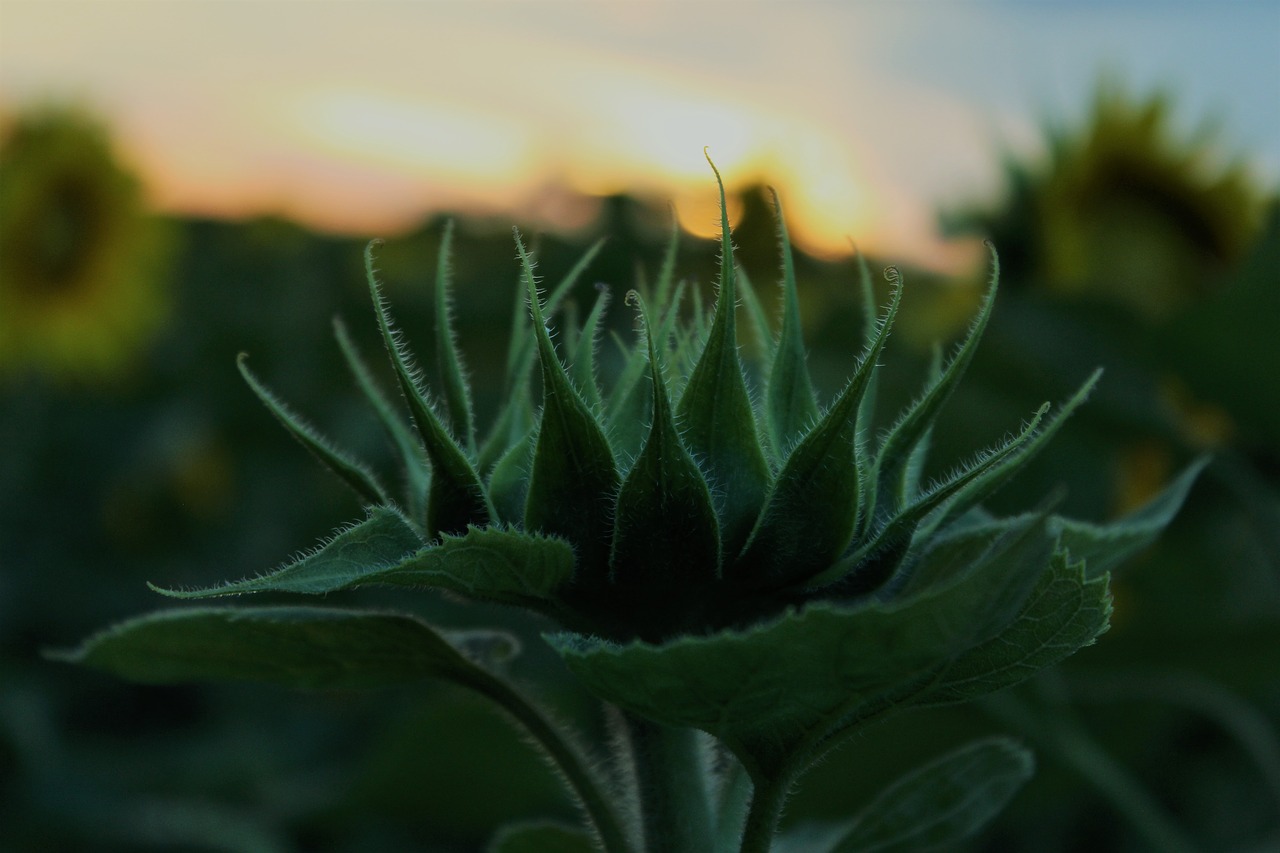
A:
(363, 116)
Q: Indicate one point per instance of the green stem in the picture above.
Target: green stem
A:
(672, 783)
(563, 755)
(762, 819)
(735, 795)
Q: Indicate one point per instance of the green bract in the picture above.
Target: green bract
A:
(760, 567)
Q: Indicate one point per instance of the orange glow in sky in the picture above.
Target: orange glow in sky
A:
(366, 117)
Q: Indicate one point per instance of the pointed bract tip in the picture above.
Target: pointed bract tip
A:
(706, 152)
(995, 256)
(167, 593)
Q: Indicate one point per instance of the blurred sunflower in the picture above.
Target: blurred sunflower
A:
(81, 261)
(1125, 211)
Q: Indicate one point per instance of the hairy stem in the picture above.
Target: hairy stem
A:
(566, 758)
(735, 795)
(672, 782)
(762, 818)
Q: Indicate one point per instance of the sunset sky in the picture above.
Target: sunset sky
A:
(362, 116)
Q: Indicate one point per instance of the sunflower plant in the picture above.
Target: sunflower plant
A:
(743, 580)
(82, 264)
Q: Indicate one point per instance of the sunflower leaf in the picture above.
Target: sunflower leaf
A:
(768, 690)
(666, 543)
(503, 566)
(413, 459)
(891, 461)
(667, 272)
(457, 394)
(573, 476)
(355, 474)
(1067, 610)
(300, 647)
(584, 358)
(789, 398)
(456, 498)
(812, 508)
(1103, 546)
(874, 562)
(509, 482)
(943, 802)
(715, 412)
(523, 349)
(765, 344)
(347, 559)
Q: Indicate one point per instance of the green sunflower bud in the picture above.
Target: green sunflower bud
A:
(753, 566)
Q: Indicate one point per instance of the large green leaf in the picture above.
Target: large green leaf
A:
(574, 478)
(942, 803)
(350, 557)
(1065, 612)
(765, 689)
(305, 647)
(1103, 546)
(715, 413)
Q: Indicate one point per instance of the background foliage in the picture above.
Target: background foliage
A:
(1163, 736)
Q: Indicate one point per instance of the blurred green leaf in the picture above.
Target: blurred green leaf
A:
(540, 837)
(943, 802)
